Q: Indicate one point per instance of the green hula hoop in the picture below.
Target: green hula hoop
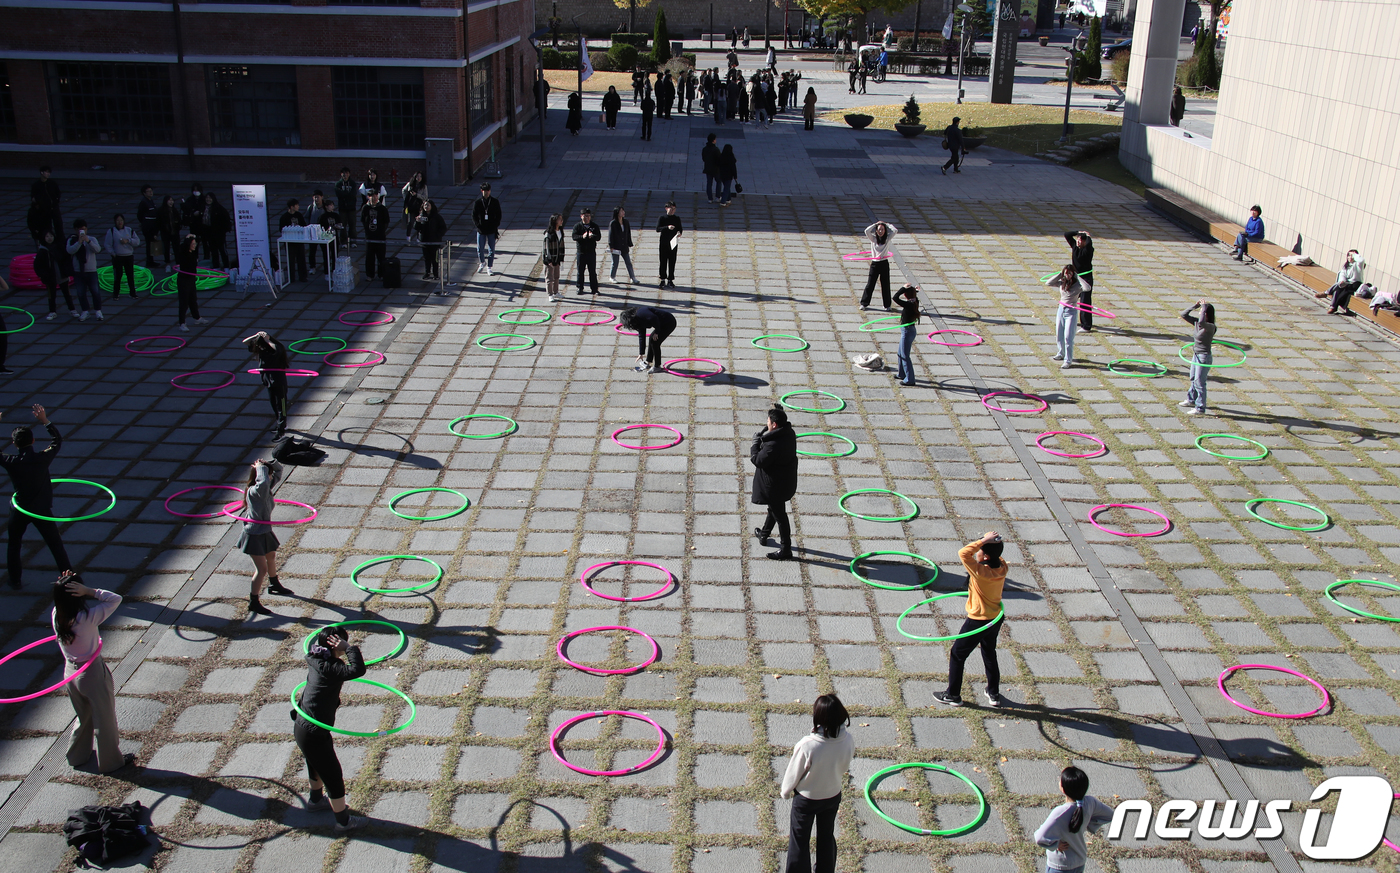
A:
(18, 329)
(412, 711)
(144, 278)
(529, 342)
(292, 347)
(501, 316)
(397, 650)
(856, 573)
(1181, 353)
(950, 832)
(411, 589)
(1326, 519)
(466, 504)
(782, 401)
(1263, 449)
(1145, 363)
(101, 511)
(899, 622)
(1375, 582)
(802, 348)
(868, 329)
(835, 436)
(842, 503)
(483, 436)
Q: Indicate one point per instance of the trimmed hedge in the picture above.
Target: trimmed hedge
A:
(637, 40)
(602, 62)
(623, 56)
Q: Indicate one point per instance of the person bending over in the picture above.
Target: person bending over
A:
(640, 319)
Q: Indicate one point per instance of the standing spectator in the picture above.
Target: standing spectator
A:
(690, 86)
(953, 142)
(37, 220)
(1349, 278)
(759, 103)
(330, 222)
(1081, 255)
(709, 160)
(44, 194)
(121, 243)
(612, 104)
(888, 39)
(373, 185)
(862, 73)
(774, 456)
(574, 121)
(771, 61)
(345, 200)
(148, 221)
(541, 107)
(33, 489)
(1253, 232)
(191, 208)
(721, 100)
(486, 217)
(648, 107)
(638, 77)
(853, 71)
(640, 319)
(49, 259)
(215, 228)
(1064, 829)
(258, 541)
(168, 220)
(1201, 355)
(552, 256)
(187, 271)
(883, 66)
(92, 694)
(728, 172)
(908, 299)
(325, 675)
(746, 37)
(586, 235)
(665, 97)
(1178, 110)
(669, 231)
(315, 211)
(1071, 287)
(986, 575)
(272, 367)
(415, 191)
(83, 250)
(880, 234)
(374, 218)
(809, 110)
(620, 244)
(431, 228)
(296, 271)
(814, 779)
(733, 39)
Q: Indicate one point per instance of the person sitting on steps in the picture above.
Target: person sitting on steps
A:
(1253, 232)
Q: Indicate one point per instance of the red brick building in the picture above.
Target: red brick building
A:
(304, 86)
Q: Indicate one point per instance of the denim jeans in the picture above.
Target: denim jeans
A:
(727, 196)
(85, 286)
(712, 186)
(1066, 325)
(486, 249)
(905, 373)
(626, 259)
(1197, 392)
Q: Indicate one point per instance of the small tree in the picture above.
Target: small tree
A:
(1206, 73)
(661, 39)
(1089, 60)
(911, 111)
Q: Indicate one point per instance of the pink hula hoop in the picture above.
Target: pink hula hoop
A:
(1121, 533)
(655, 650)
(388, 317)
(59, 685)
(1103, 449)
(209, 274)
(660, 742)
(326, 359)
(670, 580)
(676, 442)
(141, 339)
(1089, 308)
(1220, 683)
(176, 383)
(667, 367)
(863, 256)
(565, 317)
(311, 517)
(618, 328)
(1044, 404)
(956, 330)
(258, 371)
(199, 488)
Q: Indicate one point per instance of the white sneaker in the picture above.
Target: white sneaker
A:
(185, 328)
(51, 316)
(72, 313)
(488, 271)
(995, 701)
(1195, 412)
(1184, 403)
(201, 321)
(1066, 365)
(83, 317)
(100, 317)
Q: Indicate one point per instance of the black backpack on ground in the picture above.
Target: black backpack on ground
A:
(104, 834)
(392, 272)
(298, 453)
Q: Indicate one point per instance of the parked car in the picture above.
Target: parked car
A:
(1123, 45)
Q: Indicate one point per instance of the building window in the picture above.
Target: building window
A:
(379, 108)
(111, 103)
(481, 107)
(7, 107)
(253, 106)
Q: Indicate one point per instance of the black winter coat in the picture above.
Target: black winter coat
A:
(774, 456)
(29, 473)
(324, 676)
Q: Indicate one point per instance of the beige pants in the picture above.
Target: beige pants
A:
(551, 279)
(94, 700)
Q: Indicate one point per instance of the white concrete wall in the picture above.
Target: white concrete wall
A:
(1307, 126)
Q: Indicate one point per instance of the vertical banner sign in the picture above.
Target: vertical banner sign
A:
(1004, 35)
(250, 225)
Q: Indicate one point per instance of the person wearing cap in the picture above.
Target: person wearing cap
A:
(986, 576)
(486, 216)
(669, 231)
(953, 142)
(273, 366)
(29, 475)
(1081, 255)
(586, 236)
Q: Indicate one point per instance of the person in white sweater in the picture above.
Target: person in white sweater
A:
(880, 234)
(814, 779)
(92, 694)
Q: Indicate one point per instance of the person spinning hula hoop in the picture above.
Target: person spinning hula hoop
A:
(325, 674)
(272, 358)
(92, 694)
(258, 541)
(1201, 357)
(1081, 255)
(986, 575)
(29, 473)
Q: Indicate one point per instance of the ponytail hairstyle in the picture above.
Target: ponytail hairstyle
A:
(829, 715)
(1074, 782)
(66, 607)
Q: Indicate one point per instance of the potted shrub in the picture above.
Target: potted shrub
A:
(973, 136)
(908, 125)
(858, 121)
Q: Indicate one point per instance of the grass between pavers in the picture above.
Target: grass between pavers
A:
(1027, 130)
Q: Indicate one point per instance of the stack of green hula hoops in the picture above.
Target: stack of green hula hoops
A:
(144, 279)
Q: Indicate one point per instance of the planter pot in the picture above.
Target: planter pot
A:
(1045, 40)
(859, 122)
(972, 142)
(910, 130)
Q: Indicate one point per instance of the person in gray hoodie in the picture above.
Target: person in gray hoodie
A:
(258, 541)
(83, 250)
(121, 243)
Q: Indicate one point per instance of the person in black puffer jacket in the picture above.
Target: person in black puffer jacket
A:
(774, 455)
(320, 699)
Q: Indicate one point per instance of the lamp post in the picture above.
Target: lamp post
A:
(962, 45)
(539, 82)
(918, 13)
(1076, 46)
(766, 6)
